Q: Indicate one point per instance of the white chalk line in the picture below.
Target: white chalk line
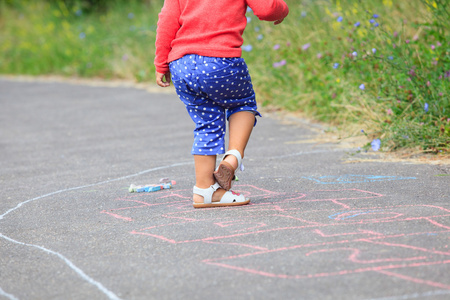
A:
(107, 292)
(80, 272)
(93, 184)
(9, 296)
(308, 152)
(151, 170)
(415, 295)
(68, 262)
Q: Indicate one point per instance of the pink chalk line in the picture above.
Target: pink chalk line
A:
(373, 217)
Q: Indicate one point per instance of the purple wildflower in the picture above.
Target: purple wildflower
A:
(279, 64)
(425, 107)
(376, 143)
(276, 47)
(362, 87)
(357, 24)
(335, 65)
(306, 46)
(247, 48)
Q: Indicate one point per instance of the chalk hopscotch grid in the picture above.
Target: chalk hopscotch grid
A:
(349, 215)
(19, 205)
(70, 264)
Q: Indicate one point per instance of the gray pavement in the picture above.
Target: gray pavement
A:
(317, 227)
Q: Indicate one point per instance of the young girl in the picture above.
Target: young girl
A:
(198, 47)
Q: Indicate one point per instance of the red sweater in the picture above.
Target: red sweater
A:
(208, 28)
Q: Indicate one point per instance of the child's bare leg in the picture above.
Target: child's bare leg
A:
(240, 127)
(204, 168)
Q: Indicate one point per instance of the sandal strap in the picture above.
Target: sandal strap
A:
(206, 193)
(238, 156)
(229, 198)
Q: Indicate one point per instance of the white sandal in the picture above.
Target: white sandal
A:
(230, 198)
(224, 173)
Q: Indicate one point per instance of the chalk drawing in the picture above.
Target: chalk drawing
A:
(336, 222)
(308, 152)
(5, 294)
(90, 185)
(313, 228)
(351, 214)
(343, 179)
(108, 293)
(70, 264)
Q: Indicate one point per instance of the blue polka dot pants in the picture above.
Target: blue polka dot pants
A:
(212, 89)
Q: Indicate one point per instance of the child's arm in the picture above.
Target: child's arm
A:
(269, 10)
(168, 25)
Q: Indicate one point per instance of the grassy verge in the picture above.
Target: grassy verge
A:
(376, 68)
(39, 37)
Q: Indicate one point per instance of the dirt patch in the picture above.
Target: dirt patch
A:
(328, 134)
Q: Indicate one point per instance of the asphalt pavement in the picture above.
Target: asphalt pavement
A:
(318, 227)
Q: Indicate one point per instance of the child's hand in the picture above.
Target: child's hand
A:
(163, 79)
(278, 21)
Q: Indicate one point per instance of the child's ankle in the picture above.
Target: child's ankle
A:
(232, 161)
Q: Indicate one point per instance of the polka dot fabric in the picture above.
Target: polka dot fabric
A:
(212, 89)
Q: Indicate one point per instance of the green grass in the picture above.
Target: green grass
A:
(42, 38)
(405, 103)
